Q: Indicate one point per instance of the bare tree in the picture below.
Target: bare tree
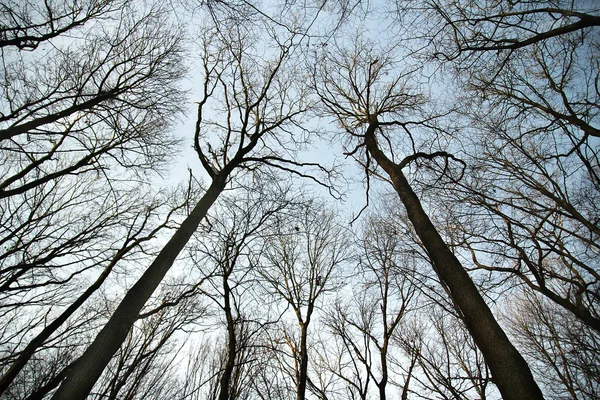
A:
(301, 259)
(201, 371)
(528, 74)
(457, 29)
(259, 107)
(84, 123)
(79, 107)
(51, 280)
(227, 256)
(564, 352)
(143, 366)
(367, 323)
(354, 89)
(448, 363)
(271, 381)
(541, 220)
(99, 100)
(26, 24)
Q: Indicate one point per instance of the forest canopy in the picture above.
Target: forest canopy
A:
(382, 199)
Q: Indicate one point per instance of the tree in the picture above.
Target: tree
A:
(540, 226)
(83, 112)
(143, 366)
(137, 224)
(28, 24)
(227, 257)
(367, 324)
(260, 106)
(529, 75)
(302, 256)
(101, 100)
(447, 362)
(355, 91)
(465, 29)
(527, 209)
(483, 118)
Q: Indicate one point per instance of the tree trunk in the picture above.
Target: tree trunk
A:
(381, 385)
(36, 342)
(88, 368)
(303, 376)
(231, 344)
(509, 370)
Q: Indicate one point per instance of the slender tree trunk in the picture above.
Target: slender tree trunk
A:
(580, 311)
(231, 344)
(405, 389)
(509, 370)
(301, 395)
(89, 366)
(41, 393)
(384, 370)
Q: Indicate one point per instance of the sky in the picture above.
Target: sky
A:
(376, 27)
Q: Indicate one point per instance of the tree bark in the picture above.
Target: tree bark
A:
(303, 376)
(381, 385)
(509, 370)
(225, 383)
(88, 368)
(36, 342)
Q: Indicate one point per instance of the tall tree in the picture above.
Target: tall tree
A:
(259, 105)
(355, 88)
(302, 258)
(532, 100)
(447, 361)
(367, 323)
(227, 256)
(138, 225)
(144, 366)
(565, 351)
(84, 114)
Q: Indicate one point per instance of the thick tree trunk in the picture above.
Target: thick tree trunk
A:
(509, 370)
(88, 368)
(36, 342)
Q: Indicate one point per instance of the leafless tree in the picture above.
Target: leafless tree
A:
(272, 381)
(497, 176)
(227, 256)
(259, 107)
(526, 212)
(528, 73)
(143, 366)
(541, 220)
(26, 24)
(461, 30)
(93, 101)
(367, 323)
(52, 282)
(448, 363)
(301, 261)
(374, 109)
(79, 105)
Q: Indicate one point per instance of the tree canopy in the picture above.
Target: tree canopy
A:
(382, 200)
